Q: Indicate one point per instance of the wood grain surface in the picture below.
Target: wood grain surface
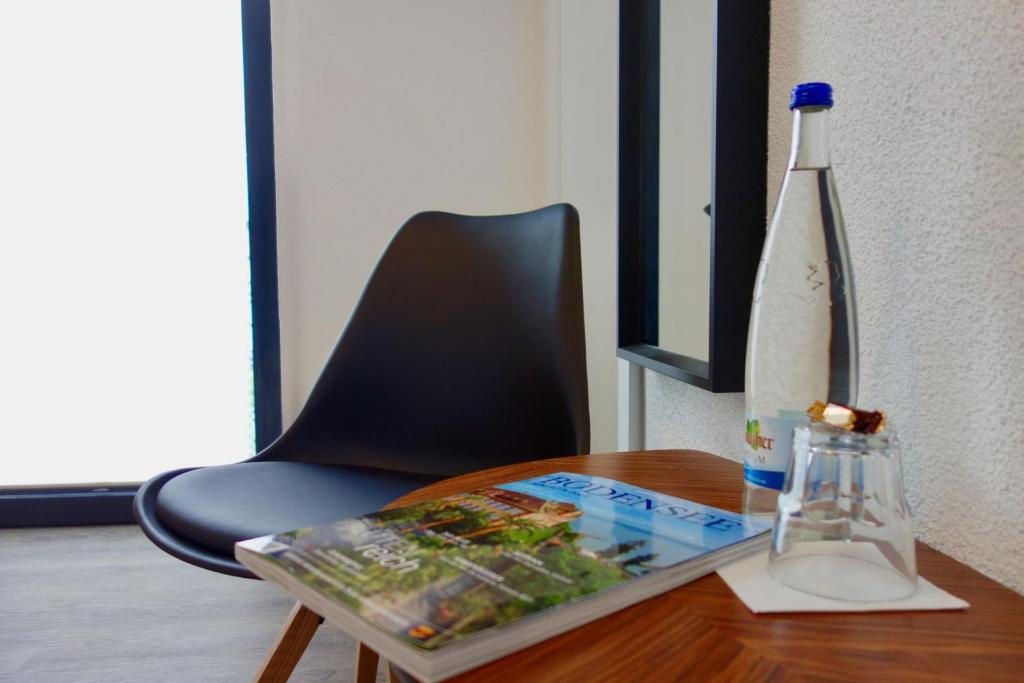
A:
(701, 631)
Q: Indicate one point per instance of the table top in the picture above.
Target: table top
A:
(701, 631)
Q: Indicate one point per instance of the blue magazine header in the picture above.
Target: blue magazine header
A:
(703, 527)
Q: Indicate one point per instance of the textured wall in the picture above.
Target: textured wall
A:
(928, 150)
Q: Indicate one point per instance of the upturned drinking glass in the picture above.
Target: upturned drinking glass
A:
(843, 528)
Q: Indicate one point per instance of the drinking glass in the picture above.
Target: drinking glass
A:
(843, 527)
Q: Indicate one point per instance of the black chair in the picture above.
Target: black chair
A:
(466, 351)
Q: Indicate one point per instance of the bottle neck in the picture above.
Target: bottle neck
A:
(810, 139)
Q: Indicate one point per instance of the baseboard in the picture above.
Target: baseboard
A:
(67, 507)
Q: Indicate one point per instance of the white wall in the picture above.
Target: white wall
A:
(384, 109)
(387, 108)
(928, 150)
(588, 33)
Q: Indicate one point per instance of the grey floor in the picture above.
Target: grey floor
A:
(104, 604)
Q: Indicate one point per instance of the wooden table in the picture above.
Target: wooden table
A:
(701, 631)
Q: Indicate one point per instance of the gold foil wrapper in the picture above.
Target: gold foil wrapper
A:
(848, 418)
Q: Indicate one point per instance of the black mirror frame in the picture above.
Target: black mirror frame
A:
(738, 185)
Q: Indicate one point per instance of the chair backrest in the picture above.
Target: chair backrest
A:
(465, 351)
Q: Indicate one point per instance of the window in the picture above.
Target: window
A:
(129, 342)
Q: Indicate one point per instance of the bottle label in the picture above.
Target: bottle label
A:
(769, 443)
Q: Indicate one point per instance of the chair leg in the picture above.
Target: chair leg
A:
(396, 675)
(291, 642)
(366, 664)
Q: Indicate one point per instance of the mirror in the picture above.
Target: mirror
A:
(684, 176)
(693, 119)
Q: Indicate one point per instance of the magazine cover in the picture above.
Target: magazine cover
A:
(444, 569)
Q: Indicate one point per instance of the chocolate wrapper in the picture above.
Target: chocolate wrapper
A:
(848, 418)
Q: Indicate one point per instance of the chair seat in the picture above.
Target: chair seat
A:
(216, 506)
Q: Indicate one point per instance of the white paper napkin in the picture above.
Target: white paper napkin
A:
(750, 581)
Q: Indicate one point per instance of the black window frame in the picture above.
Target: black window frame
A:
(89, 505)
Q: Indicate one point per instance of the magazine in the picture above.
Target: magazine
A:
(446, 585)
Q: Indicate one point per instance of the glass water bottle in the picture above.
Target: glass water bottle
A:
(802, 343)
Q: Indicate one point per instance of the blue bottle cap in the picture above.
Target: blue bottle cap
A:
(811, 95)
